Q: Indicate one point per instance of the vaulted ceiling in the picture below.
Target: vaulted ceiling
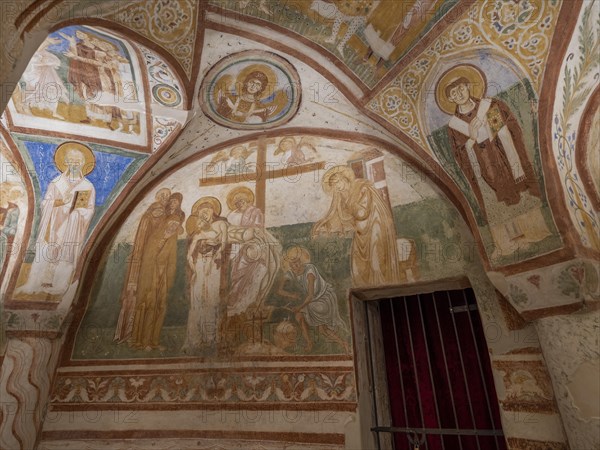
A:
(161, 95)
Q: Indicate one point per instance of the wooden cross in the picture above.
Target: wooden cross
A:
(262, 172)
(259, 176)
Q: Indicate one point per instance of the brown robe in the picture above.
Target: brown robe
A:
(491, 156)
(157, 274)
(83, 73)
(152, 220)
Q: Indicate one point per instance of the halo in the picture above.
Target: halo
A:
(345, 171)
(477, 82)
(212, 201)
(240, 190)
(62, 149)
(283, 89)
(261, 68)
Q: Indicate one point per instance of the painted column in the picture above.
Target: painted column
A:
(572, 354)
(561, 303)
(528, 405)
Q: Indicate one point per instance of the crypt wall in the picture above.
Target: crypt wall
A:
(330, 141)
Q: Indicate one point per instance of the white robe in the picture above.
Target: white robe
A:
(60, 237)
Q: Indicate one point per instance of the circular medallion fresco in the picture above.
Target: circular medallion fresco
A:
(166, 95)
(251, 90)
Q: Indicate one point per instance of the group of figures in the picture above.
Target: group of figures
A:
(232, 264)
(233, 255)
(151, 271)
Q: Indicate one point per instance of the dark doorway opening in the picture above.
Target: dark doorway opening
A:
(441, 393)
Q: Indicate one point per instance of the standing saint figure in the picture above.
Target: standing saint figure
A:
(485, 137)
(151, 220)
(207, 232)
(244, 213)
(319, 306)
(156, 277)
(358, 208)
(67, 209)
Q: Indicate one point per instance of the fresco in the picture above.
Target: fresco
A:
(357, 207)
(74, 183)
(592, 162)
(85, 82)
(369, 36)
(520, 32)
(484, 132)
(250, 90)
(576, 85)
(66, 212)
(246, 255)
(167, 98)
(164, 84)
(169, 23)
(13, 215)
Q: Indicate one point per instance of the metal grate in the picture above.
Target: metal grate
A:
(440, 385)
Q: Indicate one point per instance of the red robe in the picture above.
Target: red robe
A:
(491, 154)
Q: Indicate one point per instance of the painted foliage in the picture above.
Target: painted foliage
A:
(252, 250)
(484, 131)
(517, 31)
(249, 90)
(501, 48)
(577, 83)
(369, 36)
(169, 23)
(167, 98)
(82, 81)
(74, 183)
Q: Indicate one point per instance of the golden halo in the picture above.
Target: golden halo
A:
(477, 83)
(261, 68)
(344, 171)
(61, 152)
(214, 203)
(239, 191)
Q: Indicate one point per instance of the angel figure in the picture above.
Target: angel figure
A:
(234, 160)
(248, 101)
(292, 153)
